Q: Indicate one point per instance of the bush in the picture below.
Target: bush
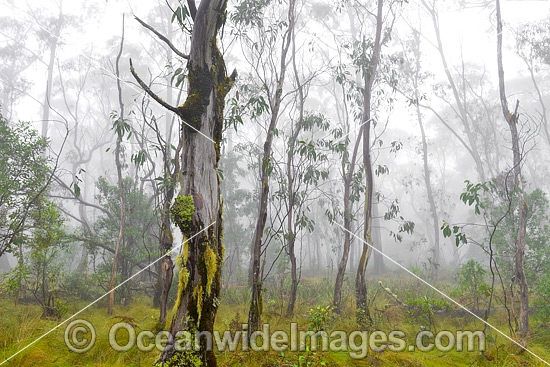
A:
(543, 291)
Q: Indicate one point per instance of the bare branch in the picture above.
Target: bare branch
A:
(192, 8)
(149, 92)
(163, 38)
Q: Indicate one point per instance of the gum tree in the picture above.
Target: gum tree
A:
(197, 210)
(512, 120)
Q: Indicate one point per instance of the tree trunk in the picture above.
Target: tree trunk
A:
(363, 316)
(378, 259)
(51, 64)
(197, 210)
(342, 264)
(460, 102)
(255, 311)
(427, 175)
(120, 133)
(166, 266)
(512, 120)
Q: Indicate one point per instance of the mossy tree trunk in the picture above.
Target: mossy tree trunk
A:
(197, 210)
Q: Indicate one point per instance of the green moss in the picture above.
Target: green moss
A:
(183, 279)
(201, 84)
(197, 295)
(182, 213)
(211, 263)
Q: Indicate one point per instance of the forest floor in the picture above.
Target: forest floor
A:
(21, 325)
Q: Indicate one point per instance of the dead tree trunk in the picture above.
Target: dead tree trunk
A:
(512, 120)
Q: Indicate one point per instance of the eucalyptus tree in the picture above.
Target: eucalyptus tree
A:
(532, 45)
(413, 77)
(458, 87)
(359, 80)
(197, 210)
(262, 53)
(518, 156)
(15, 60)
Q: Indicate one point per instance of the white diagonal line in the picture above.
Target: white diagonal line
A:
(443, 294)
(139, 272)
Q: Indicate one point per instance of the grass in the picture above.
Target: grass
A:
(21, 325)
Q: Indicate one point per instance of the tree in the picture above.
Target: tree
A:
(121, 127)
(512, 120)
(197, 210)
(459, 95)
(413, 77)
(25, 171)
(266, 167)
(369, 73)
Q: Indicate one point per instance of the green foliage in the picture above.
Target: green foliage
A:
(121, 127)
(320, 317)
(80, 287)
(139, 231)
(471, 282)
(423, 309)
(39, 268)
(247, 103)
(500, 205)
(182, 212)
(533, 43)
(543, 292)
(24, 174)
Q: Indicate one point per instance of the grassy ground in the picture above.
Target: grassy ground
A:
(20, 325)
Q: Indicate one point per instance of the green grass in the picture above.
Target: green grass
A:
(21, 325)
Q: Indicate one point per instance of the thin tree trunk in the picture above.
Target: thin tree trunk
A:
(120, 134)
(342, 264)
(378, 259)
(363, 315)
(427, 174)
(166, 266)
(512, 120)
(255, 310)
(290, 181)
(460, 102)
(51, 64)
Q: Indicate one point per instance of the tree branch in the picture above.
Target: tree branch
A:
(149, 92)
(163, 38)
(192, 8)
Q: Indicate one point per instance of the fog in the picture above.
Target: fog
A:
(436, 186)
